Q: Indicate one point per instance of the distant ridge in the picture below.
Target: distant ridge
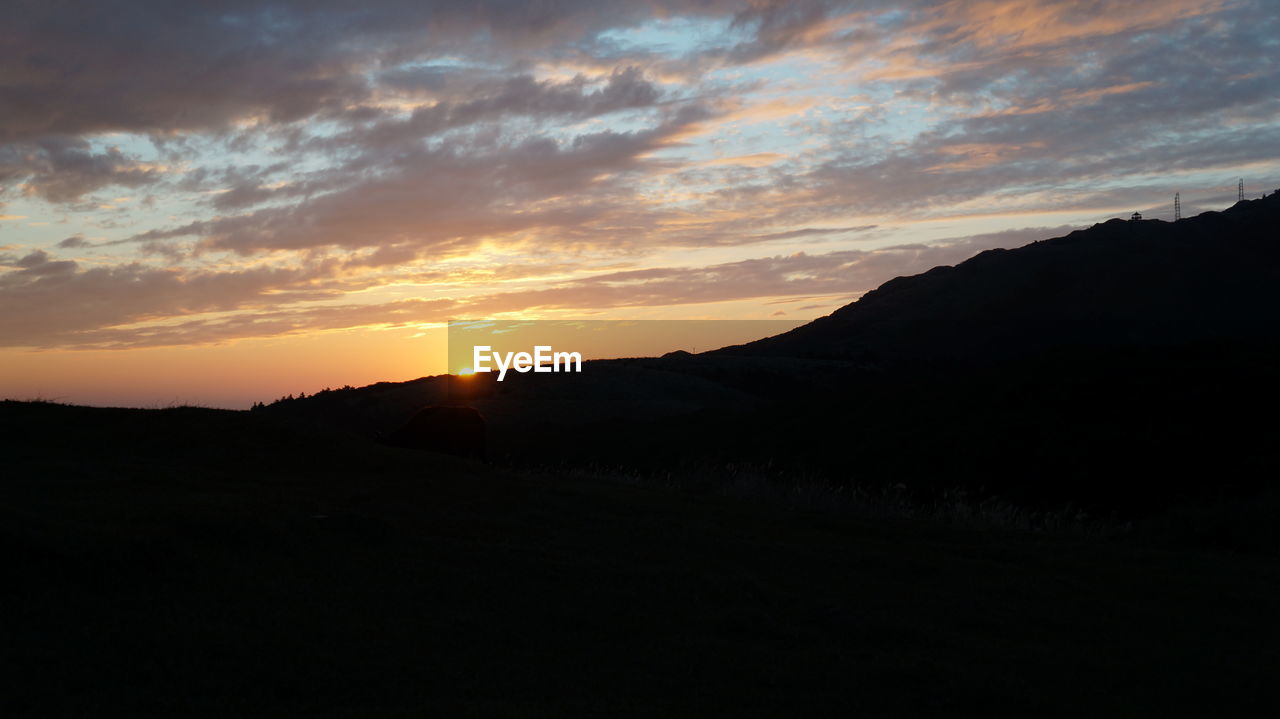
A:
(1122, 283)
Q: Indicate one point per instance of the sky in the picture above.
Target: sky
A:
(221, 203)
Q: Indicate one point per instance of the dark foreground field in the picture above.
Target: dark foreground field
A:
(190, 562)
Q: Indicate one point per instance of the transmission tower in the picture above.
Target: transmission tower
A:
(1240, 189)
(1177, 206)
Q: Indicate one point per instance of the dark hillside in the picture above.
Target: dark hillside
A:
(191, 562)
(1120, 284)
(1113, 368)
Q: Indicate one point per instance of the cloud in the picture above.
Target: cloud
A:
(534, 156)
(194, 66)
(64, 169)
(56, 304)
(74, 242)
(520, 95)
(445, 200)
(48, 300)
(844, 272)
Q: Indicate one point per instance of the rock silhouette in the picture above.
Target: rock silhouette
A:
(451, 430)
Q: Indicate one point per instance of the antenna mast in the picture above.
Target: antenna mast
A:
(1240, 189)
(1177, 206)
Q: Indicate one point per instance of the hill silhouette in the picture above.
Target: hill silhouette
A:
(1119, 284)
(1103, 369)
(281, 561)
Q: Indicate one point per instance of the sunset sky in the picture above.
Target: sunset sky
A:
(219, 203)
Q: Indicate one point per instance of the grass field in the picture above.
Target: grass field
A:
(191, 562)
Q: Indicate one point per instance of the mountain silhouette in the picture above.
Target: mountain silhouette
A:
(1119, 284)
(1102, 369)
